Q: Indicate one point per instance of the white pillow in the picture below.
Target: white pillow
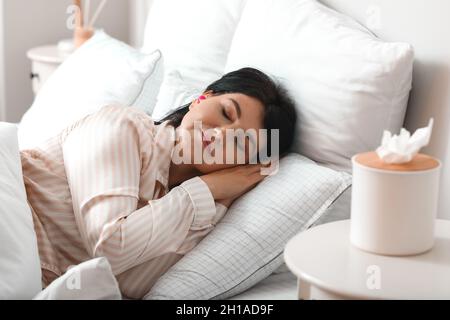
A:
(90, 280)
(247, 244)
(194, 37)
(174, 93)
(348, 84)
(102, 71)
(20, 271)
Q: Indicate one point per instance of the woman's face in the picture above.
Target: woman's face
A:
(209, 133)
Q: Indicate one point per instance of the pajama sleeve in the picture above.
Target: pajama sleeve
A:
(194, 237)
(102, 160)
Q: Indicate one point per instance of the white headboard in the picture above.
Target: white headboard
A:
(425, 25)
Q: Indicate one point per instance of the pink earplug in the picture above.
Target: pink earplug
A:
(202, 97)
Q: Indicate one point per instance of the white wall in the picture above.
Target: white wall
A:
(138, 16)
(2, 67)
(28, 24)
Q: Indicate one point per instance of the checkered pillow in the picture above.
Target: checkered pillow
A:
(247, 244)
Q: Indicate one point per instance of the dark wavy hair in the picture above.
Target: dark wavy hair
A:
(279, 108)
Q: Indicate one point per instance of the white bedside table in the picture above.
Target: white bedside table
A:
(328, 266)
(44, 61)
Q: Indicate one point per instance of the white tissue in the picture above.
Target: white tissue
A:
(403, 147)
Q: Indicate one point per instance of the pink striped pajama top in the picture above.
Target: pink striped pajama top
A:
(100, 188)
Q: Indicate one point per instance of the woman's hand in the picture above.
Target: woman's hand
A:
(226, 202)
(228, 184)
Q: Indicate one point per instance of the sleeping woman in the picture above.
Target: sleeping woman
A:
(111, 184)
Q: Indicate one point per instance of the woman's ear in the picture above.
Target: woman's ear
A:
(208, 93)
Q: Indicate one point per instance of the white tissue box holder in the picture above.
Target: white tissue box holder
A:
(393, 212)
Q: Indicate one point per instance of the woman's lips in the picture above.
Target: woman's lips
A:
(204, 140)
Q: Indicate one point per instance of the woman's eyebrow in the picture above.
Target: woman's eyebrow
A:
(238, 107)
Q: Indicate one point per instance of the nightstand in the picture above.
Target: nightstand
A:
(328, 266)
(44, 61)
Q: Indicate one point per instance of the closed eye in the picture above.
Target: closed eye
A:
(225, 114)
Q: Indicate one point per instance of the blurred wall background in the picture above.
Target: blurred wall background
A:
(25, 24)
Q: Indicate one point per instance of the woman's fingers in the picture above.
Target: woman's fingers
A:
(252, 168)
(229, 183)
(255, 178)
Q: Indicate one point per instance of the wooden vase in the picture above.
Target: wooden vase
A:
(81, 35)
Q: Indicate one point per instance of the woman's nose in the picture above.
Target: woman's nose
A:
(218, 133)
(224, 129)
(214, 133)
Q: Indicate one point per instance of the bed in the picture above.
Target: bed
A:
(431, 88)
